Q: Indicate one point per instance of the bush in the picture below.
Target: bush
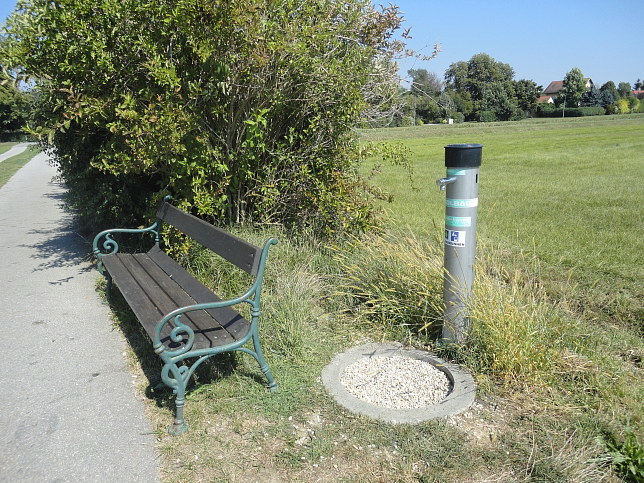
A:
(487, 116)
(640, 107)
(622, 106)
(548, 110)
(241, 110)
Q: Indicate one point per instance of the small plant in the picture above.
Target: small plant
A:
(627, 457)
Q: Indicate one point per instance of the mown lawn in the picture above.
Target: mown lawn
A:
(566, 191)
(10, 166)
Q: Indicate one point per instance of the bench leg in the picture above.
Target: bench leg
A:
(263, 365)
(175, 378)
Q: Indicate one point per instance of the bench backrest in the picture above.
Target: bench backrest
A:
(237, 251)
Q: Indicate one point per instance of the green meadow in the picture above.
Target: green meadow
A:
(564, 193)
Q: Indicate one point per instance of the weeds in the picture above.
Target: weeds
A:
(627, 457)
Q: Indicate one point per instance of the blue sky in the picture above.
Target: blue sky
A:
(541, 40)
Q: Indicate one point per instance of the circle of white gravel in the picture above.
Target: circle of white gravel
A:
(396, 382)
(388, 382)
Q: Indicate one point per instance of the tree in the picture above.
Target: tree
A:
(593, 98)
(471, 80)
(474, 76)
(624, 89)
(610, 88)
(499, 101)
(574, 87)
(639, 85)
(424, 83)
(14, 105)
(527, 92)
(241, 109)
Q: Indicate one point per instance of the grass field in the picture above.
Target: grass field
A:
(557, 357)
(567, 192)
(10, 166)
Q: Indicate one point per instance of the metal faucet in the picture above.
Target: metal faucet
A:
(443, 182)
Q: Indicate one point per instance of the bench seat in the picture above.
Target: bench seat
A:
(153, 285)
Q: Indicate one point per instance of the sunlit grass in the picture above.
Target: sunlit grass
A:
(568, 191)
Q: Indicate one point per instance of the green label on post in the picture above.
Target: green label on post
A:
(460, 221)
(456, 172)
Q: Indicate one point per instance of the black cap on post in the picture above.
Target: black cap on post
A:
(463, 155)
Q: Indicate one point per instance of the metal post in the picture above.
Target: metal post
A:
(462, 185)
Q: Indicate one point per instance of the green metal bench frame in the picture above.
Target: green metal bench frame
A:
(185, 320)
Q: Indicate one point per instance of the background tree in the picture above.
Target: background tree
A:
(593, 98)
(14, 104)
(574, 86)
(424, 83)
(471, 80)
(500, 102)
(624, 89)
(638, 85)
(527, 92)
(241, 109)
(609, 87)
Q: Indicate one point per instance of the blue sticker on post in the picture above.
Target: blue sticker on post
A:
(455, 238)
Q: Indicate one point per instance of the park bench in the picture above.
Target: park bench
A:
(185, 320)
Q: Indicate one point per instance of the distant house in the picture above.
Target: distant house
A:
(555, 87)
(545, 99)
(639, 94)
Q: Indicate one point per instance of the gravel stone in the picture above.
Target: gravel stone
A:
(396, 382)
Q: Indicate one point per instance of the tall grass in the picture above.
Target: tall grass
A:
(392, 280)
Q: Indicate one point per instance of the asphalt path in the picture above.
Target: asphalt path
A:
(68, 410)
(14, 151)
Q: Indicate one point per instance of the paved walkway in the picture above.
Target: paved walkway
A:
(68, 411)
(14, 151)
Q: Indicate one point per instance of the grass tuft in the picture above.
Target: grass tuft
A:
(392, 280)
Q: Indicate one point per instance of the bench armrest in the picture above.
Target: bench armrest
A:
(109, 245)
(180, 330)
(251, 297)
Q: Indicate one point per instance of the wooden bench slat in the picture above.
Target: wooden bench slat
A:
(134, 291)
(168, 296)
(237, 251)
(209, 327)
(141, 305)
(227, 317)
(152, 294)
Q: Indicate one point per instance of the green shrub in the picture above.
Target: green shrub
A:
(546, 109)
(549, 110)
(640, 107)
(627, 457)
(487, 116)
(633, 103)
(622, 106)
(241, 110)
